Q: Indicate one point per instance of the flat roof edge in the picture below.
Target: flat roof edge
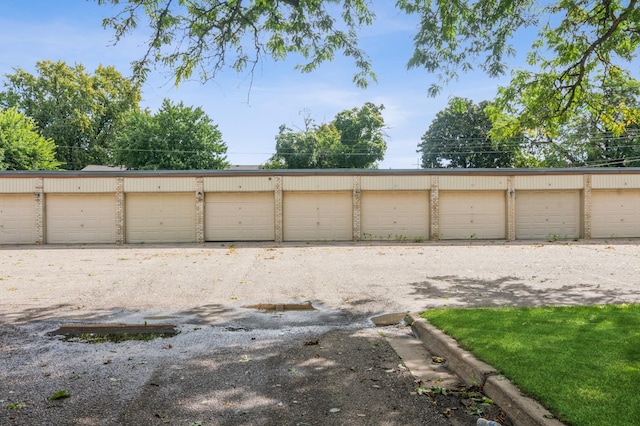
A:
(318, 172)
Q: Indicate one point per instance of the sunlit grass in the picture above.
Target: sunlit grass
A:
(582, 363)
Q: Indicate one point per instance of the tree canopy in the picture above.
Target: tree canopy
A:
(206, 36)
(578, 55)
(587, 140)
(353, 139)
(460, 137)
(175, 138)
(21, 147)
(80, 112)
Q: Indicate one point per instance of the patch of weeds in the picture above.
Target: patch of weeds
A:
(15, 406)
(422, 391)
(59, 395)
(437, 390)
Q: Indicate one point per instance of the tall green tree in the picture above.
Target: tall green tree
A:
(79, 111)
(354, 139)
(21, 147)
(580, 49)
(459, 136)
(175, 138)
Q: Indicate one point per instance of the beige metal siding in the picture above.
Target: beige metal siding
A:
(317, 183)
(84, 185)
(12, 185)
(472, 214)
(317, 216)
(549, 182)
(158, 184)
(547, 214)
(625, 181)
(398, 183)
(80, 218)
(239, 184)
(17, 219)
(160, 218)
(476, 183)
(245, 216)
(395, 215)
(615, 214)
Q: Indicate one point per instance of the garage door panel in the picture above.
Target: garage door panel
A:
(160, 218)
(80, 218)
(17, 219)
(615, 214)
(318, 216)
(472, 214)
(240, 216)
(395, 215)
(541, 214)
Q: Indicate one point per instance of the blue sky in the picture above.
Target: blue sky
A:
(248, 115)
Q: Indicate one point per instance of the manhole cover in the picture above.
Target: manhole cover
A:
(282, 307)
(388, 319)
(114, 333)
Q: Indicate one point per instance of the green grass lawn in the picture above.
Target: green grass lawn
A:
(582, 363)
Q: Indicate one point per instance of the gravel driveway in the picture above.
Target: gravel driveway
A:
(233, 365)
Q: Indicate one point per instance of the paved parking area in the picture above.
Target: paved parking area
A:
(230, 361)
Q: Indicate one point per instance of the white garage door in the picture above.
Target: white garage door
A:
(615, 214)
(240, 216)
(17, 219)
(317, 216)
(394, 215)
(160, 218)
(80, 218)
(472, 214)
(545, 214)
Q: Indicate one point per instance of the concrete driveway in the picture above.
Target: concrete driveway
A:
(234, 365)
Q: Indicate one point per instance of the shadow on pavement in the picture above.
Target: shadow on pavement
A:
(452, 291)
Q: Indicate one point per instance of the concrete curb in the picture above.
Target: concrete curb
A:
(522, 410)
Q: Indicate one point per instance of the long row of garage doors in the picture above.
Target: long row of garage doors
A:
(318, 216)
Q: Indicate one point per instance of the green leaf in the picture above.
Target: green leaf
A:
(59, 395)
